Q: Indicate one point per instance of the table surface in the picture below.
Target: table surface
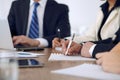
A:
(44, 73)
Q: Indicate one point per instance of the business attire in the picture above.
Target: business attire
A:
(103, 34)
(51, 15)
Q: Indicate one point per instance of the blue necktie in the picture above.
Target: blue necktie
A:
(34, 25)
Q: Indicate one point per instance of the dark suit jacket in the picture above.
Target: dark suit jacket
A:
(55, 16)
(106, 45)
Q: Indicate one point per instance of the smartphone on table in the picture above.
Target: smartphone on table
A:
(26, 63)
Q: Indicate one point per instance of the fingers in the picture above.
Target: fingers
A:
(56, 43)
(74, 49)
(21, 40)
(71, 51)
(16, 40)
(99, 61)
(64, 45)
(99, 55)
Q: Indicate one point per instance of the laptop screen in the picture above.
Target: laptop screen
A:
(5, 36)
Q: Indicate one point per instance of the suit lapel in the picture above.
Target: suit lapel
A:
(107, 26)
(99, 19)
(25, 14)
(47, 14)
(111, 17)
(47, 10)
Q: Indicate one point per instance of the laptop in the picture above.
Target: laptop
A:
(6, 39)
(5, 36)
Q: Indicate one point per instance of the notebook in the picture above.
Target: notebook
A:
(60, 57)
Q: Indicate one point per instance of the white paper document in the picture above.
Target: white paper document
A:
(55, 56)
(27, 54)
(89, 71)
(58, 48)
(19, 54)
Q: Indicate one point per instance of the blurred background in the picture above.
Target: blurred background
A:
(82, 13)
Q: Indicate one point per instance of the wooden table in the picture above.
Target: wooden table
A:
(44, 73)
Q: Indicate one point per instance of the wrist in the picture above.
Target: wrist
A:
(35, 43)
(80, 48)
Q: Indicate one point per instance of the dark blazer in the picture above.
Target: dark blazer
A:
(106, 45)
(55, 16)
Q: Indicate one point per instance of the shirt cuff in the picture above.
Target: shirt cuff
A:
(43, 42)
(91, 49)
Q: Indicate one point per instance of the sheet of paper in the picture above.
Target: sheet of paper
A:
(89, 71)
(27, 54)
(55, 56)
(19, 54)
(58, 48)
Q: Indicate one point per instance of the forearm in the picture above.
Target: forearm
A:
(102, 48)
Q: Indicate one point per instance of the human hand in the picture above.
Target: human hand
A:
(74, 48)
(25, 41)
(85, 49)
(110, 62)
(56, 42)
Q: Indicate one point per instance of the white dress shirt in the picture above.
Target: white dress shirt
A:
(40, 14)
(92, 49)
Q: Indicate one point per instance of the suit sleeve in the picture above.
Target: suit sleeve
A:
(102, 48)
(11, 19)
(62, 24)
(106, 45)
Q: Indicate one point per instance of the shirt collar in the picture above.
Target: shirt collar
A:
(41, 2)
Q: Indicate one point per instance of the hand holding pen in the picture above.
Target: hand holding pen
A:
(70, 42)
(57, 41)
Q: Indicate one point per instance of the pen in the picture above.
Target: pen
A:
(59, 34)
(70, 42)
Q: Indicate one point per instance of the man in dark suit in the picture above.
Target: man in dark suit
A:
(51, 18)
